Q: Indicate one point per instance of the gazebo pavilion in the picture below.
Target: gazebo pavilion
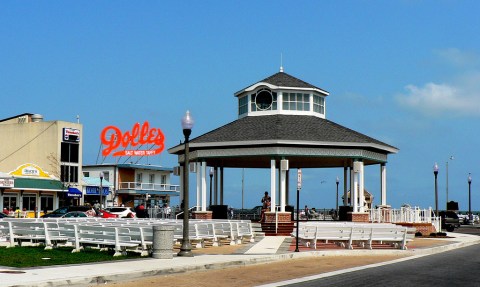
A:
(282, 125)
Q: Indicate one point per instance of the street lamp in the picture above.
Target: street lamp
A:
(435, 172)
(336, 206)
(450, 158)
(211, 176)
(101, 188)
(186, 248)
(470, 217)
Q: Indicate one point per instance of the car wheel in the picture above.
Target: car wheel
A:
(450, 228)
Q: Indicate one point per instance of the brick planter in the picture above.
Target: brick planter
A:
(202, 215)
(358, 216)
(424, 228)
(282, 217)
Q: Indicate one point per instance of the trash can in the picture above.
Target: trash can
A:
(343, 212)
(219, 211)
(163, 241)
(291, 209)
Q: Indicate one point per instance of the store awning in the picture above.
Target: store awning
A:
(38, 184)
(74, 192)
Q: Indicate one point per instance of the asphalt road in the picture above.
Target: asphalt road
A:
(460, 267)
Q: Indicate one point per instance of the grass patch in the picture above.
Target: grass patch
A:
(33, 256)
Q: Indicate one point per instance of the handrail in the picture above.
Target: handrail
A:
(149, 186)
(182, 212)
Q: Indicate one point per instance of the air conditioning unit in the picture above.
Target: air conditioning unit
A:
(284, 164)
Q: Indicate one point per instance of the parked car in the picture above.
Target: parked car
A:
(121, 211)
(73, 214)
(450, 220)
(105, 214)
(60, 212)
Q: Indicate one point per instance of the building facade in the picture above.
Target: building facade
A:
(40, 163)
(129, 184)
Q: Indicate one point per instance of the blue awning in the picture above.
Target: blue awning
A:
(74, 192)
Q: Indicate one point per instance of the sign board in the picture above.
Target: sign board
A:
(71, 135)
(30, 170)
(93, 190)
(299, 179)
(114, 139)
(7, 182)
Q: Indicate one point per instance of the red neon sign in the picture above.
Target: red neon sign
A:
(112, 137)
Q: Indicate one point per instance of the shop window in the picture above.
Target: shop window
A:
(69, 173)
(10, 201)
(29, 202)
(46, 202)
(69, 152)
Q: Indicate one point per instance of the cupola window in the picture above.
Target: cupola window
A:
(264, 100)
(243, 105)
(296, 101)
(319, 104)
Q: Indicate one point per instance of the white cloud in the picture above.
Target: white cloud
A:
(458, 57)
(459, 97)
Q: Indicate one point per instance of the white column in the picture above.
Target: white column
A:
(204, 186)
(352, 184)
(383, 184)
(283, 175)
(272, 185)
(354, 196)
(361, 189)
(37, 214)
(198, 166)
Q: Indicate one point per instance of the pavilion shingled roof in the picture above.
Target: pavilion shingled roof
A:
(299, 128)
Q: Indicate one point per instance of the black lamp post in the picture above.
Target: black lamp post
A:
(211, 176)
(100, 192)
(186, 248)
(336, 205)
(435, 172)
(470, 217)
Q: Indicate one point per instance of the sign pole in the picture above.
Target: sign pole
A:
(299, 186)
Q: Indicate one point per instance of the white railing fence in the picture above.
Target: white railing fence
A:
(405, 215)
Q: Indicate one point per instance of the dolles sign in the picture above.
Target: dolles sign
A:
(113, 139)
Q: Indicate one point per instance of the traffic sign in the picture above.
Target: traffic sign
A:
(299, 179)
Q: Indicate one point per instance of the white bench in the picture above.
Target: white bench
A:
(35, 233)
(348, 235)
(103, 237)
(244, 231)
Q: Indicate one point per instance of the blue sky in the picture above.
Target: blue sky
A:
(404, 72)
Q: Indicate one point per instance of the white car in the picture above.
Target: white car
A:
(122, 212)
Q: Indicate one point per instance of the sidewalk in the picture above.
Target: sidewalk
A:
(269, 249)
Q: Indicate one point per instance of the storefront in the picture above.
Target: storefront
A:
(32, 191)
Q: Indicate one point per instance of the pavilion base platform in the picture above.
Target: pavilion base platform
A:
(358, 216)
(424, 228)
(283, 228)
(202, 214)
